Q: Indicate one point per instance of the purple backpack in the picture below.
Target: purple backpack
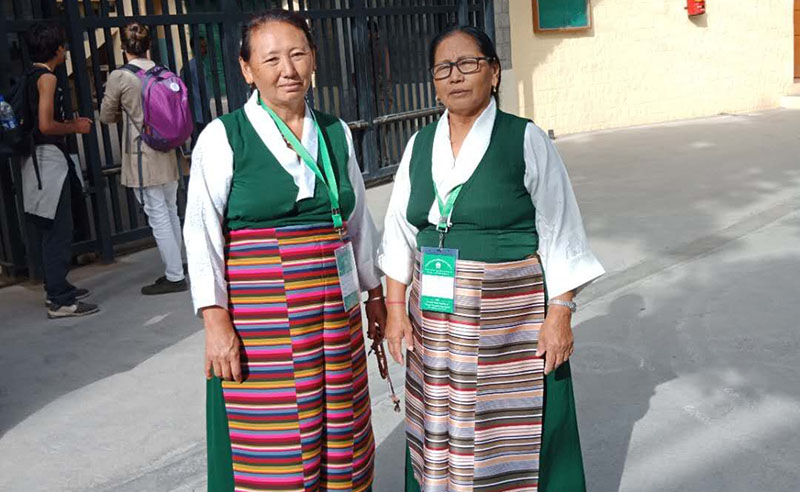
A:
(165, 101)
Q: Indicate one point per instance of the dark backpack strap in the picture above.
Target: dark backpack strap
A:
(141, 173)
(36, 164)
(31, 79)
(139, 157)
(131, 68)
(156, 69)
(31, 95)
(36, 70)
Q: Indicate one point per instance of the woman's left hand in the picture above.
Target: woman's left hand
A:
(555, 338)
(376, 315)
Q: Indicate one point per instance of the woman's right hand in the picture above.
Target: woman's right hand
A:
(222, 345)
(398, 328)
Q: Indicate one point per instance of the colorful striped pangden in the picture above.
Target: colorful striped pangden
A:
(474, 386)
(301, 419)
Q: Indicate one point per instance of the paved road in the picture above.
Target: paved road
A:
(686, 369)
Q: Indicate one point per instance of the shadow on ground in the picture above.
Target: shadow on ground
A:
(702, 367)
(390, 462)
(45, 359)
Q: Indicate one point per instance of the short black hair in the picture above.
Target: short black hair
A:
(277, 15)
(484, 42)
(44, 39)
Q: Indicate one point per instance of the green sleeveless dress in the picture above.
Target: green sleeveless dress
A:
(301, 417)
(494, 221)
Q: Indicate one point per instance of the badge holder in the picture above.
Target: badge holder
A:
(438, 270)
(348, 274)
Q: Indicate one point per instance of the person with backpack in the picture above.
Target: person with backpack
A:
(50, 183)
(152, 104)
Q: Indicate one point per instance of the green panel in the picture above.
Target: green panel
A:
(162, 50)
(218, 439)
(218, 67)
(555, 14)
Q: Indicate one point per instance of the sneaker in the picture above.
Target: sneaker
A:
(79, 294)
(164, 286)
(74, 310)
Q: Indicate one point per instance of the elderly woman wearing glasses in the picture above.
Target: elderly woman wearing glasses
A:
(484, 226)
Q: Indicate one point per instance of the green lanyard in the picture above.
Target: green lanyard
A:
(445, 211)
(329, 179)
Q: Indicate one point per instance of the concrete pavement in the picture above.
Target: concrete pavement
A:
(686, 368)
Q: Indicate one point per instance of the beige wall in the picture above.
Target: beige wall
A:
(645, 61)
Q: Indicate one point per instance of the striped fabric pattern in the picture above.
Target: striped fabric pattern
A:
(474, 386)
(300, 421)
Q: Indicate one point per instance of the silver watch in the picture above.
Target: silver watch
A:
(567, 304)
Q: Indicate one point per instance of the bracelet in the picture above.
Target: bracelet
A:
(378, 298)
(571, 305)
(395, 302)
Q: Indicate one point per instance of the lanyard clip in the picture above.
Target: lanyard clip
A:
(338, 224)
(443, 227)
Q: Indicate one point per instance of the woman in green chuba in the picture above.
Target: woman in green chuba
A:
(484, 227)
(281, 246)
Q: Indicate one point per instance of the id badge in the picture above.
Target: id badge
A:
(348, 275)
(438, 280)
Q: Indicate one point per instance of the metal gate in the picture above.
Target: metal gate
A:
(371, 72)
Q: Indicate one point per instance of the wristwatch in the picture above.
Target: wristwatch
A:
(567, 304)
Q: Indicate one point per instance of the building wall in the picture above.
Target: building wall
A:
(645, 61)
(502, 41)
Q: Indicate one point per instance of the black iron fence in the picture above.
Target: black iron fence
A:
(371, 72)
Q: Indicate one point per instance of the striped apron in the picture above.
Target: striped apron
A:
(300, 420)
(474, 387)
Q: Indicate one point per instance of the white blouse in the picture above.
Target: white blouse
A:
(567, 260)
(210, 185)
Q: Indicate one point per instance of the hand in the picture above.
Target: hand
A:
(82, 124)
(555, 338)
(222, 345)
(376, 317)
(398, 328)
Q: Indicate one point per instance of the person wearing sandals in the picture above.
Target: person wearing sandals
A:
(280, 247)
(484, 226)
(154, 177)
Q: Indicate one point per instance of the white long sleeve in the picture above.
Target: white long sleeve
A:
(360, 226)
(399, 243)
(566, 258)
(209, 187)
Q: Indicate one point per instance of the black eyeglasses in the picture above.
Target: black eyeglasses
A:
(464, 65)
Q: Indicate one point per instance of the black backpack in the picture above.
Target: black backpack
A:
(19, 141)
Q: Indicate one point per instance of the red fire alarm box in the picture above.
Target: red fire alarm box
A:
(696, 7)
